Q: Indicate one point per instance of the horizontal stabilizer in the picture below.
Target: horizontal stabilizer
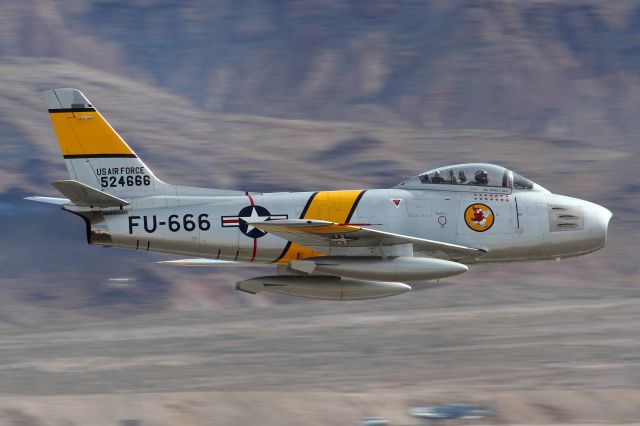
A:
(87, 196)
(50, 200)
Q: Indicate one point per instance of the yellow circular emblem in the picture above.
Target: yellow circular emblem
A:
(479, 217)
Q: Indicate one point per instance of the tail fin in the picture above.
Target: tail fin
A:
(94, 153)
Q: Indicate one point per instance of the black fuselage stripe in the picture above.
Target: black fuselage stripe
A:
(304, 212)
(286, 249)
(355, 205)
(56, 110)
(306, 207)
(67, 157)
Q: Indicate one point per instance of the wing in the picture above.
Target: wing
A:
(208, 262)
(320, 233)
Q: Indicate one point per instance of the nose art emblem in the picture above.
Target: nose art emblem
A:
(479, 217)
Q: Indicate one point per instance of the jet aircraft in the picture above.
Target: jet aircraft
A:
(334, 245)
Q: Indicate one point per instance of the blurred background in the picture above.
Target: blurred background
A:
(264, 96)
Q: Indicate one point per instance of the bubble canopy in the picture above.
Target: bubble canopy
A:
(473, 177)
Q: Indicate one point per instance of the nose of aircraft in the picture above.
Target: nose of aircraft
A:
(597, 223)
(577, 226)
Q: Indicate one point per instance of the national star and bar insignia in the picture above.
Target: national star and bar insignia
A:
(252, 214)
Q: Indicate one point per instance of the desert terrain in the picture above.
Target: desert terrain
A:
(541, 352)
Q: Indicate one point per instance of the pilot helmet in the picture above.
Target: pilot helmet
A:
(481, 176)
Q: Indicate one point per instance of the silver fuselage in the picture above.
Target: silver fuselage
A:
(528, 225)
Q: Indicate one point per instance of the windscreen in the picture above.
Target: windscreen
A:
(468, 174)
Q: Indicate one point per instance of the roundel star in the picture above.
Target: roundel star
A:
(257, 214)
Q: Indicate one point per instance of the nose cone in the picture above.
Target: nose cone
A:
(597, 223)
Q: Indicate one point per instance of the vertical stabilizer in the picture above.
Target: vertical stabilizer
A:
(94, 152)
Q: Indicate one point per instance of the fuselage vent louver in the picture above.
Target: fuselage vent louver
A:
(566, 218)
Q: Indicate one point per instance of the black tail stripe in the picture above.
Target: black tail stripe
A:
(100, 156)
(54, 110)
(355, 205)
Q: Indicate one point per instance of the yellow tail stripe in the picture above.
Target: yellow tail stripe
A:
(87, 133)
(332, 206)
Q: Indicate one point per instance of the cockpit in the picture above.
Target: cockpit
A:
(478, 177)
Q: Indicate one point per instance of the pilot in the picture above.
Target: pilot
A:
(462, 176)
(481, 178)
(452, 177)
(437, 178)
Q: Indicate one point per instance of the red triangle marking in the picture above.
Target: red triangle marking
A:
(396, 202)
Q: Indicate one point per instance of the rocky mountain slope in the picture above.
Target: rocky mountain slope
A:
(566, 69)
